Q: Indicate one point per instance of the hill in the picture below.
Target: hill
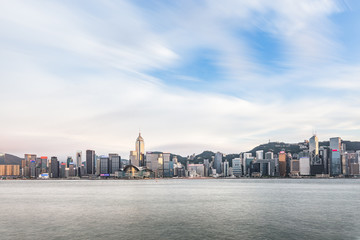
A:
(10, 159)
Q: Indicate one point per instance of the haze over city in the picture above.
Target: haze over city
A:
(191, 75)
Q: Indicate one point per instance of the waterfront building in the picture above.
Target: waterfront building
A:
(62, 170)
(9, 170)
(133, 158)
(324, 156)
(269, 155)
(236, 167)
(354, 169)
(32, 169)
(335, 163)
(295, 167)
(90, 162)
(217, 162)
(115, 161)
(166, 165)
(54, 167)
(304, 163)
(314, 150)
(246, 160)
(316, 163)
(206, 167)
(26, 165)
(335, 156)
(265, 167)
(195, 170)
(104, 165)
(71, 170)
(226, 172)
(140, 151)
(179, 170)
(78, 159)
(97, 162)
(247, 165)
(335, 143)
(44, 164)
(68, 161)
(155, 162)
(282, 164)
(260, 154)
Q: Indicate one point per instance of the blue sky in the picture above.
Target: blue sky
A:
(192, 75)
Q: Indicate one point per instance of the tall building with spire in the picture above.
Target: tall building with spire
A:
(137, 156)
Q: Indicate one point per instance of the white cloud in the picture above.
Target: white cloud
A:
(76, 80)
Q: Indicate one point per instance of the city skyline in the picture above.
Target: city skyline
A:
(192, 76)
(138, 155)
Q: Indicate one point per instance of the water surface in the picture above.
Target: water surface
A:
(181, 209)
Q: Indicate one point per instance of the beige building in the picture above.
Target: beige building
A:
(9, 170)
(137, 157)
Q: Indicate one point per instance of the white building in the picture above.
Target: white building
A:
(304, 166)
(236, 167)
(260, 154)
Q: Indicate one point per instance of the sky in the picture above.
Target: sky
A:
(190, 75)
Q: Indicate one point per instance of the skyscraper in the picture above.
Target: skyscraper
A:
(226, 168)
(282, 164)
(90, 162)
(314, 150)
(335, 156)
(78, 158)
(217, 162)
(269, 155)
(140, 150)
(260, 154)
(54, 167)
(335, 143)
(104, 165)
(68, 161)
(236, 166)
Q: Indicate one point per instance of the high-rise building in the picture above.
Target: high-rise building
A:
(195, 170)
(26, 165)
(304, 163)
(226, 169)
(282, 164)
(269, 155)
(295, 167)
(266, 167)
(335, 156)
(68, 161)
(32, 169)
(71, 170)
(9, 170)
(62, 170)
(155, 162)
(206, 167)
(78, 159)
(324, 156)
(218, 161)
(115, 161)
(133, 158)
(335, 162)
(54, 167)
(44, 164)
(314, 150)
(246, 162)
(166, 165)
(140, 151)
(236, 166)
(90, 162)
(104, 165)
(335, 143)
(260, 154)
